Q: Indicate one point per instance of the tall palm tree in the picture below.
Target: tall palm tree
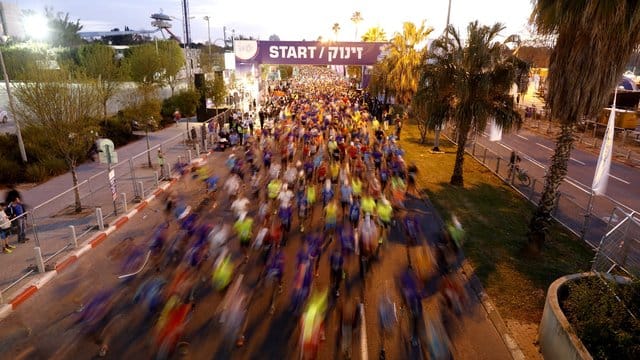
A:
(405, 59)
(374, 34)
(594, 40)
(470, 84)
(336, 29)
(356, 18)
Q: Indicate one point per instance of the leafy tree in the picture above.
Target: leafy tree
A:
(51, 104)
(356, 18)
(374, 34)
(99, 62)
(145, 68)
(470, 83)
(274, 37)
(594, 40)
(216, 90)
(64, 32)
(171, 62)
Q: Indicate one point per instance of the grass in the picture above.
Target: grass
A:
(496, 219)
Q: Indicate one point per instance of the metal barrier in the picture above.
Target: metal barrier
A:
(56, 228)
(577, 209)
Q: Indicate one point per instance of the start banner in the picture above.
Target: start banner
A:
(309, 52)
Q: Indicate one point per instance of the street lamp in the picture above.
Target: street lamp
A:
(150, 123)
(207, 18)
(23, 153)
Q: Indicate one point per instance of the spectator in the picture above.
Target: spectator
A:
(5, 226)
(20, 219)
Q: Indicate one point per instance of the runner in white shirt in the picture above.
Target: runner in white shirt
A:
(239, 206)
(285, 197)
(274, 170)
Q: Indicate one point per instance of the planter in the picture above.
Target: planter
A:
(558, 339)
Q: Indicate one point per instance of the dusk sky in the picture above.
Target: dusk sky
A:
(289, 19)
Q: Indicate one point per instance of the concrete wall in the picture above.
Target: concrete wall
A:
(558, 340)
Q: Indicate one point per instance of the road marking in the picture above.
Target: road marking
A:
(545, 147)
(521, 137)
(578, 161)
(621, 180)
(533, 161)
(505, 146)
(577, 184)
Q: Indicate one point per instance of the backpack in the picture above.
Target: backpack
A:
(10, 211)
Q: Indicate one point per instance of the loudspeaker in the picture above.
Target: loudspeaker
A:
(198, 81)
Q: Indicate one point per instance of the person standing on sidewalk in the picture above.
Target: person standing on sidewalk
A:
(20, 219)
(163, 176)
(5, 226)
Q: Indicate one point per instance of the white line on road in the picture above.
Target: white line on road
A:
(621, 180)
(533, 161)
(545, 147)
(505, 146)
(577, 183)
(578, 161)
(521, 137)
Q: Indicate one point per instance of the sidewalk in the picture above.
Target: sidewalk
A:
(51, 210)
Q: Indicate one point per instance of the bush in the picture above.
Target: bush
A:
(11, 171)
(601, 321)
(118, 129)
(143, 111)
(186, 101)
(35, 173)
(54, 166)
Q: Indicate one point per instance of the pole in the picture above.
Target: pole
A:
(23, 153)
(209, 33)
(587, 216)
(146, 132)
(115, 207)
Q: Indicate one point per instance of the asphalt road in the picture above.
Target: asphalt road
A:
(44, 327)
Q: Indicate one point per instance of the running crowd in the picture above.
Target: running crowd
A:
(321, 177)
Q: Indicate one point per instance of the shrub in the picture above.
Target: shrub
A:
(142, 111)
(118, 129)
(10, 171)
(186, 101)
(54, 166)
(601, 321)
(36, 172)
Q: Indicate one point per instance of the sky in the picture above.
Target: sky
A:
(289, 19)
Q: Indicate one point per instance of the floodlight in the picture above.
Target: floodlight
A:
(36, 26)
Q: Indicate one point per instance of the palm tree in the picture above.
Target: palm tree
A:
(356, 18)
(336, 28)
(374, 34)
(405, 59)
(594, 40)
(469, 84)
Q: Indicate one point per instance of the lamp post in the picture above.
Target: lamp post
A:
(23, 153)
(207, 19)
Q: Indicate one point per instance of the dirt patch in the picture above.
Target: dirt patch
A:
(71, 211)
(526, 335)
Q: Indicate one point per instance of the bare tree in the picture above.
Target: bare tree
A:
(66, 112)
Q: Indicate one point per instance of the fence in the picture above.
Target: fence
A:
(55, 226)
(587, 216)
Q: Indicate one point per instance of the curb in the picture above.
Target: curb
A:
(27, 291)
(487, 304)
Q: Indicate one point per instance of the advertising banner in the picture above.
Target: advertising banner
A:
(308, 52)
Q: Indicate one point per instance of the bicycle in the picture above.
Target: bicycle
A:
(520, 174)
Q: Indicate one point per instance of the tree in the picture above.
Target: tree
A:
(18, 60)
(64, 33)
(274, 37)
(336, 29)
(65, 111)
(145, 68)
(374, 34)
(469, 82)
(99, 62)
(216, 90)
(171, 62)
(594, 40)
(356, 18)
(404, 60)
(215, 61)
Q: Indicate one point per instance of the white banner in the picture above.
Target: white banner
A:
(601, 176)
(495, 133)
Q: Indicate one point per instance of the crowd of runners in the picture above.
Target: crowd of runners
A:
(324, 186)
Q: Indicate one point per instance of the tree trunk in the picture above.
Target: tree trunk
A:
(76, 191)
(104, 110)
(457, 176)
(539, 225)
(436, 139)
